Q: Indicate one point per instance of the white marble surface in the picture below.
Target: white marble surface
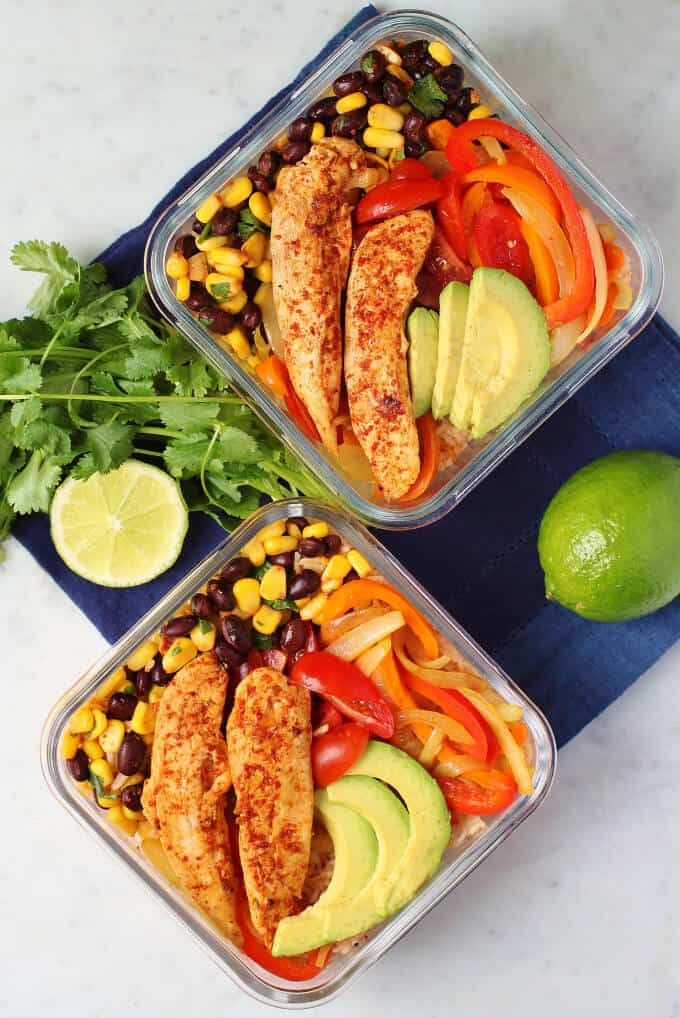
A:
(103, 107)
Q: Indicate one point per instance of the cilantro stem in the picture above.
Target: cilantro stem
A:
(61, 351)
(163, 432)
(204, 463)
(51, 343)
(91, 397)
(148, 452)
(79, 421)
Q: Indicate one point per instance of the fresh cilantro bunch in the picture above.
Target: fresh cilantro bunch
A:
(93, 377)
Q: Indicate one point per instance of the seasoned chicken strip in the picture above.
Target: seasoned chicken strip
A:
(185, 793)
(311, 238)
(380, 290)
(269, 735)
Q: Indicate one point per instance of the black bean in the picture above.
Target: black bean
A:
(197, 226)
(158, 673)
(251, 285)
(131, 753)
(260, 181)
(393, 90)
(373, 66)
(305, 583)
(143, 684)
(225, 653)
(454, 115)
(466, 100)
(201, 606)
(311, 547)
(284, 558)
(250, 316)
(324, 109)
(179, 626)
(121, 706)
(217, 320)
(269, 162)
(299, 521)
(186, 245)
(79, 765)
(332, 544)
(294, 152)
(220, 595)
(413, 54)
(450, 78)
(373, 92)
(348, 83)
(349, 124)
(293, 636)
(224, 222)
(414, 125)
(428, 65)
(300, 129)
(198, 297)
(351, 575)
(236, 633)
(414, 149)
(131, 797)
(236, 569)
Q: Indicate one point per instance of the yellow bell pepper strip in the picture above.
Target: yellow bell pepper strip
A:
(349, 595)
(462, 155)
(506, 742)
(519, 177)
(547, 286)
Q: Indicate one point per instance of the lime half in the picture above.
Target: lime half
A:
(122, 528)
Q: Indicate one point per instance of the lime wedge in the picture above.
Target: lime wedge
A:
(122, 528)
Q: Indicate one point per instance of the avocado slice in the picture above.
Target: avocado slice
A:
(429, 824)
(506, 352)
(356, 854)
(423, 328)
(453, 305)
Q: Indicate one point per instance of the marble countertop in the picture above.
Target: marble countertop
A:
(104, 107)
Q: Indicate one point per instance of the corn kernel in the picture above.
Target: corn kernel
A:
(112, 738)
(254, 360)
(254, 248)
(280, 545)
(236, 192)
(103, 770)
(318, 131)
(405, 108)
(353, 101)
(337, 568)
(266, 620)
(93, 749)
(441, 53)
(154, 852)
(222, 287)
(133, 814)
(263, 271)
(82, 721)
(254, 551)
(140, 658)
(247, 594)
(113, 684)
(391, 56)
(319, 529)
(198, 267)
(383, 116)
(376, 137)
(275, 529)
(328, 586)
(210, 243)
(181, 651)
(183, 288)
(177, 266)
(479, 113)
(262, 293)
(293, 530)
(146, 830)
(143, 720)
(238, 341)
(360, 565)
(69, 745)
(235, 303)
(207, 209)
(314, 606)
(401, 73)
(203, 635)
(132, 779)
(273, 585)
(301, 602)
(99, 723)
(261, 207)
(117, 816)
(156, 693)
(107, 801)
(223, 256)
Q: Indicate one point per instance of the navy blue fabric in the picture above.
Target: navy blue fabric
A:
(480, 561)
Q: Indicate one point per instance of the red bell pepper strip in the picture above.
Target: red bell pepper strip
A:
(296, 969)
(455, 706)
(450, 216)
(464, 158)
(430, 453)
(347, 688)
(396, 196)
(479, 792)
(274, 373)
(410, 169)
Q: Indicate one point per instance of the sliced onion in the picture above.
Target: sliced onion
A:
(550, 232)
(406, 739)
(437, 163)
(624, 297)
(437, 676)
(271, 322)
(453, 729)
(332, 630)
(371, 658)
(350, 645)
(494, 150)
(564, 338)
(601, 280)
(509, 747)
(415, 649)
(509, 711)
(431, 748)
(458, 764)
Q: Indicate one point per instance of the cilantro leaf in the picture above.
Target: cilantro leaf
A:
(248, 224)
(17, 374)
(192, 379)
(57, 265)
(184, 456)
(189, 417)
(428, 96)
(103, 310)
(30, 489)
(107, 446)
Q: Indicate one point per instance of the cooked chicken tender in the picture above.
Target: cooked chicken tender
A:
(184, 796)
(269, 735)
(379, 293)
(311, 239)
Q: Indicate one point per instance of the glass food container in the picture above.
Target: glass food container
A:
(480, 457)
(457, 863)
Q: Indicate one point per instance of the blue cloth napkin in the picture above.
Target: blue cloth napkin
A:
(480, 561)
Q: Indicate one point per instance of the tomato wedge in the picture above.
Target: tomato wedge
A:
(500, 242)
(334, 753)
(450, 216)
(324, 713)
(349, 595)
(347, 688)
(296, 969)
(443, 263)
(479, 792)
(455, 706)
(397, 196)
(410, 169)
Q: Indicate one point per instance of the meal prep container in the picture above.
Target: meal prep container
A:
(343, 969)
(480, 458)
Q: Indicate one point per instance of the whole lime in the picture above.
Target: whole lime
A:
(609, 541)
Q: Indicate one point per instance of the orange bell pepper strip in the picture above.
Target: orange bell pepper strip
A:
(349, 595)
(430, 455)
(519, 731)
(475, 198)
(614, 257)
(547, 285)
(517, 176)
(464, 158)
(389, 676)
(438, 133)
(272, 371)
